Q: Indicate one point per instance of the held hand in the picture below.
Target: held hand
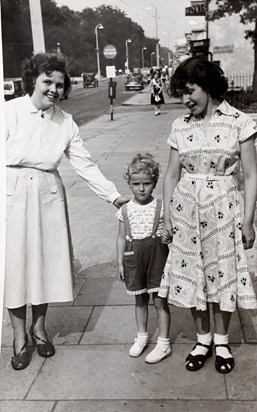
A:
(121, 273)
(248, 236)
(120, 201)
(166, 233)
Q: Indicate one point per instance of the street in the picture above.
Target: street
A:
(88, 103)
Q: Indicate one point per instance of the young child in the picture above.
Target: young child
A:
(142, 255)
(207, 262)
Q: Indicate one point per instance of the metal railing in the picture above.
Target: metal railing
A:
(239, 84)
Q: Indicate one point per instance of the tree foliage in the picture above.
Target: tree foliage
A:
(75, 31)
(247, 10)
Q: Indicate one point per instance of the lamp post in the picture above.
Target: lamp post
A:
(143, 57)
(99, 26)
(127, 54)
(152, 54)
(58, 48)
(168, 34)
(156, 34)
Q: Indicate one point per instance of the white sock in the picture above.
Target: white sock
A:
(163, 342)
(220, 350)
(205, 339)
(142, 336)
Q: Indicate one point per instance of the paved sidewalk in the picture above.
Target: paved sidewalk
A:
(91, 371)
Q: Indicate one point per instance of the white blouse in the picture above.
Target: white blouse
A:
(141, 219)
(38, 139)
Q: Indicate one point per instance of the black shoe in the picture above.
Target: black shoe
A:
(224, 365)
(20, 360)
(196, 362)
(46, 348)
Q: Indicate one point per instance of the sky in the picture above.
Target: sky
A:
(172, 24)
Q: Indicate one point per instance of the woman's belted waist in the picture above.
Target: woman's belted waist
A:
(208, 177)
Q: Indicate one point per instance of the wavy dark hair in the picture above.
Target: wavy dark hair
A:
(204, 73)
(43, 63)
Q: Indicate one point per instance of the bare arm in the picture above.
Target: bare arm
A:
(248, 158)
(171, 179)
(120, 244)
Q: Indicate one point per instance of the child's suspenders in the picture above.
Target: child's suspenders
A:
(124, 210)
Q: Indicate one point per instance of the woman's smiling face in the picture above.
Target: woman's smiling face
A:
(48, 90)
(196, 99)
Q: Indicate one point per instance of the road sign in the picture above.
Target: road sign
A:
(197, 10)
(228, 48)
(110, 51)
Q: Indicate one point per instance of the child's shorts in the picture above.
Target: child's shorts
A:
(144, 261)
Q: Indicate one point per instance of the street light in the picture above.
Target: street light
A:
(58, 48)
(127, 54)
(99, 26)
(168, 34)
(143, 60)
(152, 54)
(156, 34)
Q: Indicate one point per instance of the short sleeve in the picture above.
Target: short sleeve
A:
(172, 141)
(246, 126)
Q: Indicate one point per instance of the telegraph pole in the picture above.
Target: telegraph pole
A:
(37, 26)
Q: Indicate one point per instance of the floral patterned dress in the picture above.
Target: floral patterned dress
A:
(207, 262)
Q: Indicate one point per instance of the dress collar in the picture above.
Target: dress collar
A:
(44, 113)
(223, 108)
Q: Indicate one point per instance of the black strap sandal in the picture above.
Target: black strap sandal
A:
(196, 362)
(46, 348)
(20, 360)
(224, 365)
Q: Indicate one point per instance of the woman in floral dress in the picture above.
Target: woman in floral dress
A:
(202, 214)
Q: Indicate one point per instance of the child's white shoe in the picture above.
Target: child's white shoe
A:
(161, 351)
(139, 345)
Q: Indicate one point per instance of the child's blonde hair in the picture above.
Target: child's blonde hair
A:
(142, 163)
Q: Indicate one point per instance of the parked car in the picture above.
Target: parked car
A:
(134, 82)
(89, 79)
(12, 88)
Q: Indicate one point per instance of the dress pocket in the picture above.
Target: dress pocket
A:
(51, 188)
(11, 190)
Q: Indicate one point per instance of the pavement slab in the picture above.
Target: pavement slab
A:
(107, 372)
(16, 384)
(27, 406)
(155, 406)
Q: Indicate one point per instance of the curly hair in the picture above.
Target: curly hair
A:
(43, 63)
(204, 73)
(142, 163)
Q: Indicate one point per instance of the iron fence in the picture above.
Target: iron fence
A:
(242, 80)
(239, 89)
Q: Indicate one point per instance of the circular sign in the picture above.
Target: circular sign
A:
(110, 51)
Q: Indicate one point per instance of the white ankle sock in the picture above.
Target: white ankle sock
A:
(205, 339)
(163, 342)
(142, 335)
(222, 340)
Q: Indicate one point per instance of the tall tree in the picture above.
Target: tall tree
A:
(247, 10)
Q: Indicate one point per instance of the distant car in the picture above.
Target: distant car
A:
(12, 88)
(146, 74)
(134, 82)
(89, 80)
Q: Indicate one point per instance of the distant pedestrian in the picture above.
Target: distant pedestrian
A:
(38, 243)
(207, 262)
(156, 87)
(142, 255)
